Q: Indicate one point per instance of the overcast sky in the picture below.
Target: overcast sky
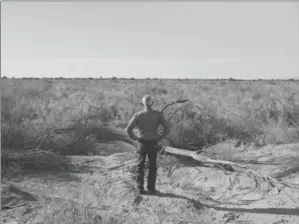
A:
(245, 40)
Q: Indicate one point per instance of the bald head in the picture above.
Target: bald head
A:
(147, 101)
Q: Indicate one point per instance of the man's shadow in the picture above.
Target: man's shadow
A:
(198, 205)
(195, 203)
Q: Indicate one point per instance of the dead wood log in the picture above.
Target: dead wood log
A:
(227, 165)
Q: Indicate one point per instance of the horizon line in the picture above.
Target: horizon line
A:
(153, 78)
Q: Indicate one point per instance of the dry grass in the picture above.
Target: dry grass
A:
(259, 112)
(262, 112)
(31, 160)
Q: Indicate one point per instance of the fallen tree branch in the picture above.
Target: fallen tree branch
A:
(106, 133)
(231, 166)
(175, 102)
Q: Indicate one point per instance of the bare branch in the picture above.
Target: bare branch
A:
(175, 102)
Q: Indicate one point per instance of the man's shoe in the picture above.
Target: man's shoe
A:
(142, 191)
(153, 191)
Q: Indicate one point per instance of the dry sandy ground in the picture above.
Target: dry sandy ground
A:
(100, 189)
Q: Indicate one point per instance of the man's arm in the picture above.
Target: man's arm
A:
(130, 127)
(165, 126)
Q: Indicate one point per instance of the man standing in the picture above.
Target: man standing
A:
(147, 122)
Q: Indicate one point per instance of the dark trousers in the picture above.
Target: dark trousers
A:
(147, 149)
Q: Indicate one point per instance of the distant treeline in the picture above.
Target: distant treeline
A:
(115, 78)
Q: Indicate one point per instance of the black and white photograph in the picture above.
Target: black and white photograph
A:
(149, 112)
